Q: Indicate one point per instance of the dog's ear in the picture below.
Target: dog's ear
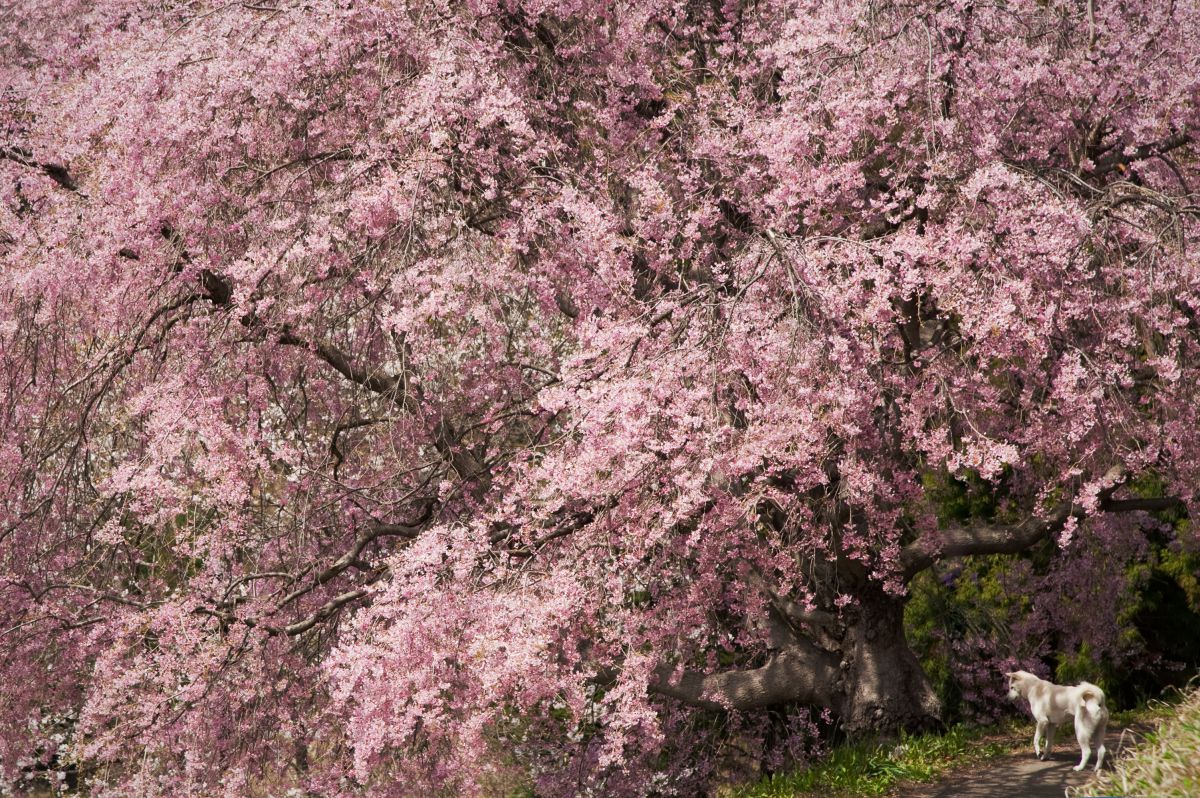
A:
(1010, 674)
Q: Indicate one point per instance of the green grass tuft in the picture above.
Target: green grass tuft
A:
(873, 768)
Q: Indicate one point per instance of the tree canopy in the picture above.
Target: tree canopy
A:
(403, 398)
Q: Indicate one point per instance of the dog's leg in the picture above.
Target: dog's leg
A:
(1039, 731)
(1050, 739)
(1087, 752)
(1098, 736)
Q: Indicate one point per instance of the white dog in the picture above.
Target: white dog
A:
(1051, 704)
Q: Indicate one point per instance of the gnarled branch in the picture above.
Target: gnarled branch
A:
(799, 673)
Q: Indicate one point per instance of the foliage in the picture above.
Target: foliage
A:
(408, 397)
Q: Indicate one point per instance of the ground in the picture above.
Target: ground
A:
(1022, 775)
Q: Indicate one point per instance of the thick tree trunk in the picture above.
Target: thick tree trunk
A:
(884, 687)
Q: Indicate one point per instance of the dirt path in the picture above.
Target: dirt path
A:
(1021, 775)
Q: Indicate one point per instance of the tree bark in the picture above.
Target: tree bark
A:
(801, 673)
(884, 686)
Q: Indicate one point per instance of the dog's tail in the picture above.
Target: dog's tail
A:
(1091, 698)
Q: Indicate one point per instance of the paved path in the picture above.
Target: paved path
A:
(1022, 775)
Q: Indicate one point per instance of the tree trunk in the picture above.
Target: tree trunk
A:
(885, 688)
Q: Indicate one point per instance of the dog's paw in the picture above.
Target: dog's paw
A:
(1077, 767)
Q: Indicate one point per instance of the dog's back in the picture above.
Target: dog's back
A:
(1091, 722)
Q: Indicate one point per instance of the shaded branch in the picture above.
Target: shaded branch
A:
(371, 380)
(217, 287)
(408, 530)
(791, 610)
(568, 524)
(800, 673)
(1150, 505)
(351, 558)
(396, 388)
(957, 540)
(1118, 159)
(56, 172)
(324, 612)
(798, 614)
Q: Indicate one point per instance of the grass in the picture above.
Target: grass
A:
(871, 768)
(1165, 764)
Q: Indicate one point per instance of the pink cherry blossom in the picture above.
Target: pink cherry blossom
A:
(401, 397)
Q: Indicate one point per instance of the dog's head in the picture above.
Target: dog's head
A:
(1016, 683)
